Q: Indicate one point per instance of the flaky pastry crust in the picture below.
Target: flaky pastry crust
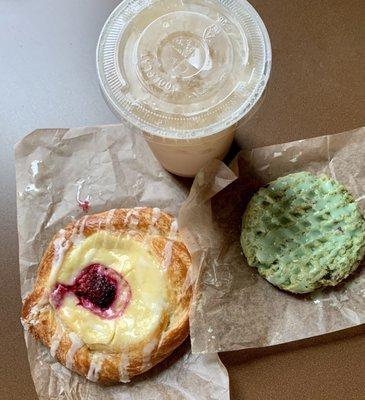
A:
(39, 316)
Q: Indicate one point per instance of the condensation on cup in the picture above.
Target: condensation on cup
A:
(184, 73)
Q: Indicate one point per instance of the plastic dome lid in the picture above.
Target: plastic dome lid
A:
(183, 69)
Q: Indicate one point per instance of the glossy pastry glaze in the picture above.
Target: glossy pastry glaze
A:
(111, 298)
(142, 315)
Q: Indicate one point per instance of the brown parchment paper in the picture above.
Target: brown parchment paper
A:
(234, 308)
(110, 167)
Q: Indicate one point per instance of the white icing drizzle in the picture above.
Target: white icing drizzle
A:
(152, 230)
(109, 218)
(78, 232)
(147, 354)
(173, 228)
(33, 313)
(133, 221)
(60, 247)
(36, 309)
(82, 227)
(96, 363)
(76, 344)
(156, 212)
(167, 255)
(108, 223)
(86, 200)
(123, 369)
(132, 218)
(56, 340)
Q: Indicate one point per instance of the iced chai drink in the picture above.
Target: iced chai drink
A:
(184, 72)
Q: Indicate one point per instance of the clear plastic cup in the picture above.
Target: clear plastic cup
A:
(184, 72)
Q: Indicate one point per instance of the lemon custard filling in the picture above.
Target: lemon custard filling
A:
(111, 291)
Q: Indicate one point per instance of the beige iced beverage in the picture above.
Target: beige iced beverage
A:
(184, 72)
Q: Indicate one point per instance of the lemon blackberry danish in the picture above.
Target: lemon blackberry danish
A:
(112, 298)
